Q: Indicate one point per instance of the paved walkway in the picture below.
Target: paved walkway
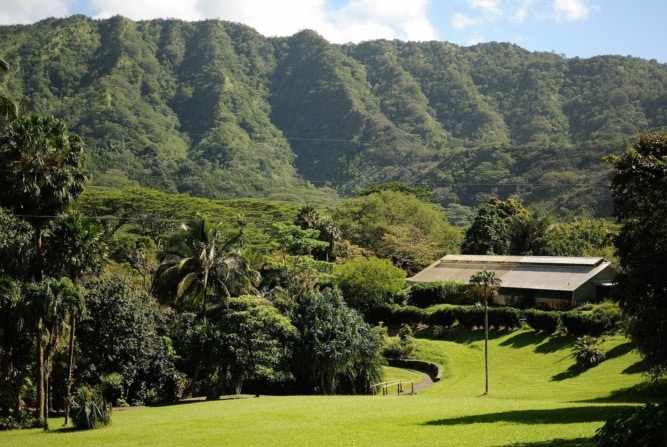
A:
(426, 383)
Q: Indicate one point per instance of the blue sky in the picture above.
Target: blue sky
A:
(581, 28)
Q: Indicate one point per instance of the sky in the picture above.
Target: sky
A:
(582, 28)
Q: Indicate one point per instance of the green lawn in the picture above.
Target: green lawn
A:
(536, 399)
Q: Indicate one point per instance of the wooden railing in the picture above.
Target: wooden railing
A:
(385, 386)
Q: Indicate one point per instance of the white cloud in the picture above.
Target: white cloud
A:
(487, 6)
(460, 21)
(390, 19)
(522, 11)
(31, 11)
(337, 20)
(146, 9)
(355, 21)
(570, 9)
(474, 40)
(271, 18)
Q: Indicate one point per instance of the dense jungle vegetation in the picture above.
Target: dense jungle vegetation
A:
(256, 203)
(214, 109)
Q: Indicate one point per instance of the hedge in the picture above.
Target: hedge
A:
(541, 320)
(469, 317)
(394, 315)
(425, 294)
(505, 317)
(642, 426)
(579, 324)
(445, 317)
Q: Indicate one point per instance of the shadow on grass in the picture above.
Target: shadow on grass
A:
(65, 430)
(473, 336)
(572, 371)
(554, 343)
(523, 339)
(570, 415)
(577, 442)
(544, 343)
(636, 368)
(619, 350)
(641, 393)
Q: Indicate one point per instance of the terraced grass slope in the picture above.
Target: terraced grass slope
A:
(536, 398)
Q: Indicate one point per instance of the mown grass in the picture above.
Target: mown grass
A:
(405, 376)
(536, 399)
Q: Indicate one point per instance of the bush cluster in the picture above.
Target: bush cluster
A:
(505, 317)
(444, 317)
(587, 352)
(402, 348)
(542, 320)
(427, 294)
(577, 323)
(394, 315)
(90, 409)
(470, 317)
(643, 426)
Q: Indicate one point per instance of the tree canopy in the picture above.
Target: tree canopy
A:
(639, 190)
(398, 226)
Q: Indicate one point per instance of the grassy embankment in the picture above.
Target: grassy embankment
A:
(536, 398)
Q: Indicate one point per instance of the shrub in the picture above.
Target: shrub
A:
(504, 317)
(587, 351)
(366, 283)
(540, 320)
(90, 410)
(402, 348)
(379, 314)
(427, 294)
(406, 315)
(469, 317)
(445, 317)
(579, 324)
(608, 309)
(24, 419)
(112, 388)
(643, 426)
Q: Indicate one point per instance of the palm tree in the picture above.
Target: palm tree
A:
(74, 247)
(50, 303)
(42, 172)
(309, 219)
(197, 264)
(486, 284)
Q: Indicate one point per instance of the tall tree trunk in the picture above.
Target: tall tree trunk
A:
(40, 385)
(203, 296)
(486, 344)
(47, 395)
(38, 253)
(70, 367)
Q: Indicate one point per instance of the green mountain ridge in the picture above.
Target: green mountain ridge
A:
(214, 109)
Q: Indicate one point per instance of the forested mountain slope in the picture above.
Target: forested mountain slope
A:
(215, 109)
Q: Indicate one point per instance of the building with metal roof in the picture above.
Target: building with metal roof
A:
(545, 281)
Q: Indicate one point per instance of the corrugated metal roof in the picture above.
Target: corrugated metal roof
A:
(549, 260)
(520, 272)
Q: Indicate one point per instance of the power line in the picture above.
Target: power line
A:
(341, 182)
